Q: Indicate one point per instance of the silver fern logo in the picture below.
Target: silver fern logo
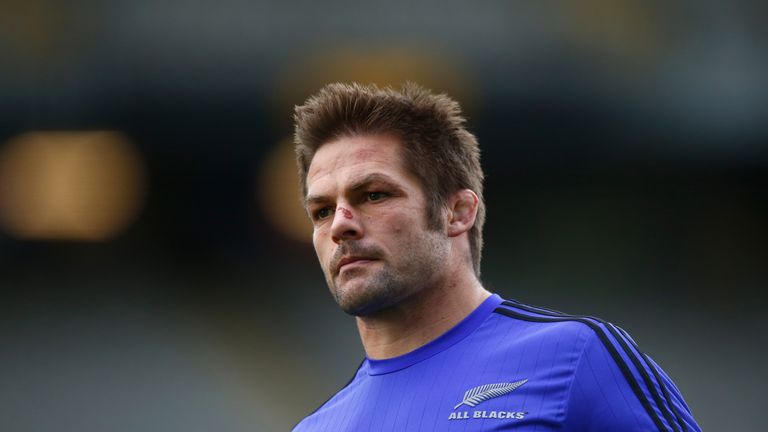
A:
(479, 394)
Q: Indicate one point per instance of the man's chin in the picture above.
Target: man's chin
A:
(363, 309)
(363, 301)
(359, 300)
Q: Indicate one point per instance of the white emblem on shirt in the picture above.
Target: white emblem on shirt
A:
(479, 394)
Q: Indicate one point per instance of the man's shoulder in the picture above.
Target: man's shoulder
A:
(528, 326)
(607, 354)
(535, 321)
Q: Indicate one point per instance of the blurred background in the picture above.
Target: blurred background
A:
(155, 268)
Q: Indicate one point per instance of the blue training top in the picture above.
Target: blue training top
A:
(509, 366)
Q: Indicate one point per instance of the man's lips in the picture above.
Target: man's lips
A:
(351, 260)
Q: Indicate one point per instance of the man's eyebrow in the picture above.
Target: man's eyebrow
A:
(314, 199)
(366, 180)
(356, 185)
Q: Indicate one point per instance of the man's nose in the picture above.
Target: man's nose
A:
(346, 225)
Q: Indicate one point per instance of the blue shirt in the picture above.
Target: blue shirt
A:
(509, 366)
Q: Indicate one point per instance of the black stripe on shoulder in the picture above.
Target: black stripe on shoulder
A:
(334, 394)
(656, 374)
(529, 308)
(614, 330)
(603, 338)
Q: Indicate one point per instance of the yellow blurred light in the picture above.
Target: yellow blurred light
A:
(69, 185)
(279, 193)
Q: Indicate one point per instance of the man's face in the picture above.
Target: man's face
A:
(370, 230)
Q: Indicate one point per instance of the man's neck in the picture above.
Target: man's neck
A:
(420, 319)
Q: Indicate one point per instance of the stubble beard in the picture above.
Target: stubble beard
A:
(364, 291)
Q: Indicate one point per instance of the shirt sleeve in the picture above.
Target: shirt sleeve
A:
(617, 387)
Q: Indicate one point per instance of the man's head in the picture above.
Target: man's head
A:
(370, 226)
(436, 149)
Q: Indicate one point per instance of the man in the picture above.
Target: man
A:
(393, 185)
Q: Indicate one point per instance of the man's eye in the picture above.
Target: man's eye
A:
(322, 213)
(375, 196)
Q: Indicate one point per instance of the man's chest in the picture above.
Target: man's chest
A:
(440, 398)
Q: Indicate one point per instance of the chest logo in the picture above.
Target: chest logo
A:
(480, 394)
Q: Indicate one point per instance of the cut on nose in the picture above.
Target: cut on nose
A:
(344, 212)
(345, 226)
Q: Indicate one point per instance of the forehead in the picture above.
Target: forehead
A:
(356, 155)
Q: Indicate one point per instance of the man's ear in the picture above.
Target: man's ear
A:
(462, 207)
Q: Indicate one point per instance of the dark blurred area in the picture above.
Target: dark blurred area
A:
(156, 269)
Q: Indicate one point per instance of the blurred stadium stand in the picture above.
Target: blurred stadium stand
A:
(155, 277)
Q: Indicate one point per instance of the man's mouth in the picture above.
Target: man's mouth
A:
(352, 260)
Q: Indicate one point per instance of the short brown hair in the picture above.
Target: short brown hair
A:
(438, 149)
